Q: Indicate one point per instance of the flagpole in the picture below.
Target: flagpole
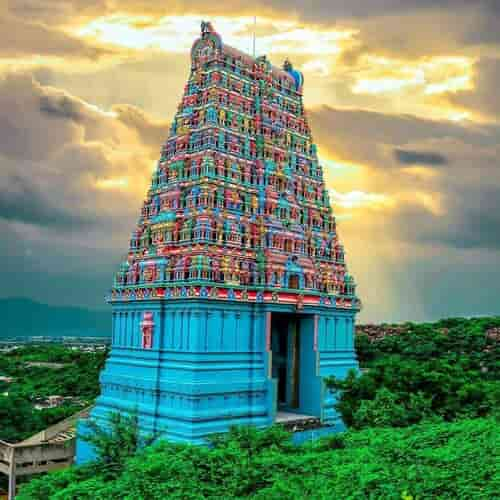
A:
(254, 28)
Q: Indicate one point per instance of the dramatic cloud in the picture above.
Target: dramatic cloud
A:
(71, 175)
(57, 11)
(61, 106)
(423, 205)
(406, 157)
(484, 96)
(402, 96)
(23, 202)
(22, 38)
(151, 82)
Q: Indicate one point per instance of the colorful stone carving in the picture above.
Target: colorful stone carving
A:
(220, 178)
(147, 326)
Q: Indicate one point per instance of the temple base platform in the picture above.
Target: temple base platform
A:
(212, 365)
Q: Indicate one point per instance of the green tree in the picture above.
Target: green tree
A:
(116, 440)
(17, 418)
(446, 370)
(78, 378)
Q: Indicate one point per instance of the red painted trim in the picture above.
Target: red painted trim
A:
(222, 293)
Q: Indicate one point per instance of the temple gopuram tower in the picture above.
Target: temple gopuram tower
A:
(234, 302)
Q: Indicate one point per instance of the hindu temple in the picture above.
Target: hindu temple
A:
(234, 302)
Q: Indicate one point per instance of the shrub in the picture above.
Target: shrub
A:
(116, 441)
(445, 460)
(447, 370)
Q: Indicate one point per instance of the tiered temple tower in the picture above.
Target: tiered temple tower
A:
(234, 301)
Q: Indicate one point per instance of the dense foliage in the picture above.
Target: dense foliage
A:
(442, 371)
(116, 442)
(78, 378)
(426, 402)
(457, 460)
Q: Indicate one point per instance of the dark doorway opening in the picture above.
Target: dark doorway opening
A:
(295, 367)
(285, 347)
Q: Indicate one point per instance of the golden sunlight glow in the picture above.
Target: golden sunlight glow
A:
(421, 172)
(384, 85)
(100, 111)
(337, 165)
(20, 64)
(412, 86)
(78, 66)
(430, 201)
(340, 174)
(419, 87)
(316, 67)
(435, 75)
(116, 183)
(459, 116)
(359, 199)
(176, 34)
(451, 85)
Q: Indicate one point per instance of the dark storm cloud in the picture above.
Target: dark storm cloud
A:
(24, 130)
(480, 225)
(149, 82)
(486, 29)
(467, 217)
(320, 10)
(363, 135)
(60, 232)
(407, 157)
(361, 8)
(21, 38)
(55, 150)
(22, 202)
(61, 106)
(39, 122)
(51, 271)
(473, 224)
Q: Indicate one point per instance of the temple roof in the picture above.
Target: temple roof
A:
(295, 77)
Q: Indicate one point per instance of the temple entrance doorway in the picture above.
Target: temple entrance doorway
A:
(285, 347)
(293, 366)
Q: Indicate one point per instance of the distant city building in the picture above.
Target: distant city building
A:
(54, 401)
(49, 402)
(234, 302)
(85, 344)
(45, 364)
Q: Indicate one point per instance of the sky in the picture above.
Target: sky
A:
(402, 98)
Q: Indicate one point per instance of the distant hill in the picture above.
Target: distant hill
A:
(23, 317)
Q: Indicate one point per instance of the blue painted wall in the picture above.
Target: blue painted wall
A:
(209, 367)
